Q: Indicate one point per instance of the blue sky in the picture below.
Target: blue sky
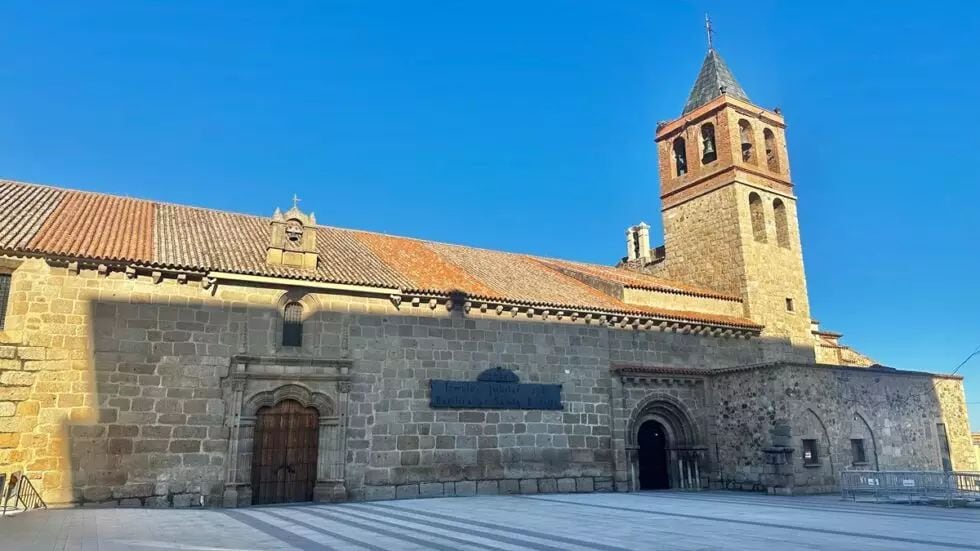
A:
(527, 126)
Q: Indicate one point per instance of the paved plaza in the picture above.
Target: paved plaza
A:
(553, 522)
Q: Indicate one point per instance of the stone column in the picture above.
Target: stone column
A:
(331, 452)
(230, 497)
(624, 477)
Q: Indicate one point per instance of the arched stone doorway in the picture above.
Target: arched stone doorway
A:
(652, 442)
(284, 462)
(666, 450)
(284, 438)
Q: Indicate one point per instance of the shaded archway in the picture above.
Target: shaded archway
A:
(661, 422)
(652, 442)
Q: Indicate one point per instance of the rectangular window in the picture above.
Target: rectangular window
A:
(857, 451)
(292, 325)
(789, 305)
(810, 453)
(944, 447)
(4, 298)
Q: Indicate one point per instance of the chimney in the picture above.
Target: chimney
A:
(630, 244)
(643, 240)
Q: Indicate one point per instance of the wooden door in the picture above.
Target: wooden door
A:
(284, 464)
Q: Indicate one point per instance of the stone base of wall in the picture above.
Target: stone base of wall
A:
(508, 486)
(178, 501)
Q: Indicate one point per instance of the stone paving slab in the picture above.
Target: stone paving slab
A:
(554, 522)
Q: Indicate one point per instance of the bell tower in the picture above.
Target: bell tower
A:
(729, 211)
(292, 239)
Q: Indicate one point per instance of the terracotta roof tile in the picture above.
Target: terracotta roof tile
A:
(93, 225)
(46, 220)
(23, 210)
(427, 270)
(190, 237)
(630, 278)
(520, 278)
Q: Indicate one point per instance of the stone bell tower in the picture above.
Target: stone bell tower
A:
(729, 211)
(292, 239)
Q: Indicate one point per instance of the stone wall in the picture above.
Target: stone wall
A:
(683, 302)
(116, 388)
(895, 413)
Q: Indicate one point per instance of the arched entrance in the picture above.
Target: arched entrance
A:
(284, 466)
(664, 445)
(652, 442)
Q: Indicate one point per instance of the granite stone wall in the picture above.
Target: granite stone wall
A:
(115, 388)
(894, 413)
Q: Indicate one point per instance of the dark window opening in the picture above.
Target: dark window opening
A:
(810, 456)
(790, 307)
(772, 158)
(292, 325)
(857, 451)
(708, 151)
(748, 141)
(944, 447)
(4, 298)
(680, 156)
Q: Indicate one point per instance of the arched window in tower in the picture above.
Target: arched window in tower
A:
(758, 217)
(748, 141)
(680, 156)
(292, 324)
(708, 150)
(772, 158)
(782, 225)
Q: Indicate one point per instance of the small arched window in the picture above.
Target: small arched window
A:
(782, 225)
(708, 150)
(772, 157)
(748, 141)
(758, 217)
(292, 324)
(680, 156)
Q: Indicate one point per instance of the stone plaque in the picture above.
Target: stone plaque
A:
(495, 388)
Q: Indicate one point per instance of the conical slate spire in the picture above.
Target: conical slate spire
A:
(714, 77)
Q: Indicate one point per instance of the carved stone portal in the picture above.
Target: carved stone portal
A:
(257, 382)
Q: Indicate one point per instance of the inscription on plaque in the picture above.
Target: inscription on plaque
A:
(495, 388)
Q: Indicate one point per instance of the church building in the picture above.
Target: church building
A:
(162, 355)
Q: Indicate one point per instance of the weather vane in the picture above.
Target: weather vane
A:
(710, 31)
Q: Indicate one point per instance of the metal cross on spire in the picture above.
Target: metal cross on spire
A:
(296, 201)
(710, 31)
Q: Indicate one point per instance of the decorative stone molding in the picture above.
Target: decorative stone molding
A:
(260, 381)
(292, 240)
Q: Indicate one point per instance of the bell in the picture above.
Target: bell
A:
(709, 147)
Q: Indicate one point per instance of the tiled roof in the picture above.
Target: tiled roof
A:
(188, 237)
(25, 209)
(91, 225)
(714, 76)
(49, 221)
(633, 279)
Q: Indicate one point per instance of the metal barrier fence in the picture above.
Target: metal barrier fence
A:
(910, 486)
(20, 495)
